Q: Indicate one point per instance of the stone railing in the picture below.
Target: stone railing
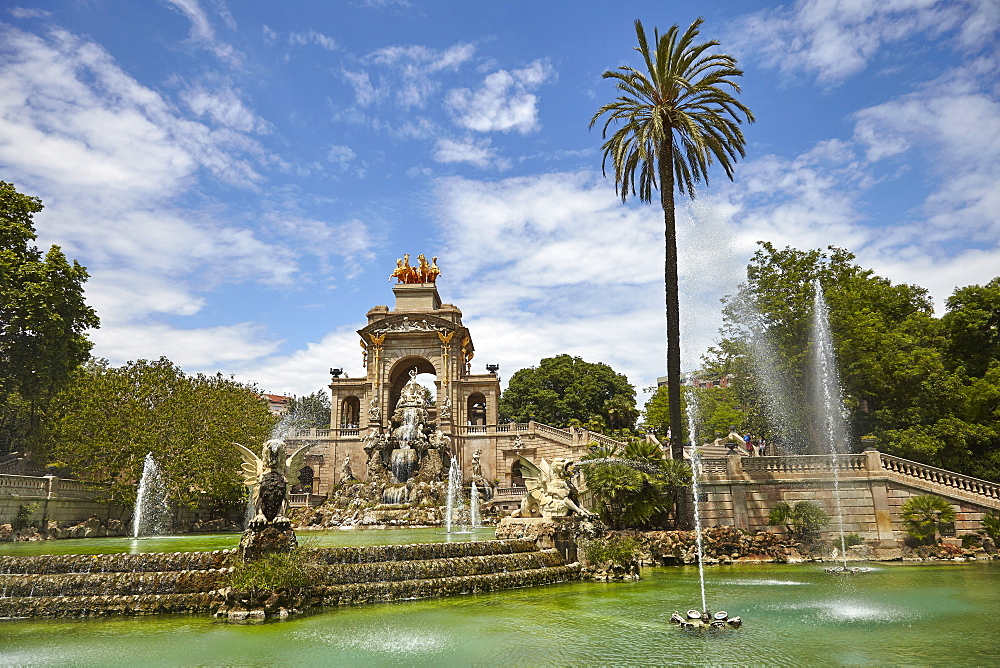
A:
(302, 500)
(43, 487)
(713, 466)
(510, 492)
(802, 464)
(554, 433)
(513, 427)
(915, 470)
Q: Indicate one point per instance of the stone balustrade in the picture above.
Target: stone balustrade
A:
(923, 472)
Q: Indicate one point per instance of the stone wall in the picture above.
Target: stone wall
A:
(70, 502)
(741, 491)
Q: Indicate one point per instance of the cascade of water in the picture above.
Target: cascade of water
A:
(695, 474)
(474, 517)
(830, 400)
(778, 397)
(150, 515)
(454, 501)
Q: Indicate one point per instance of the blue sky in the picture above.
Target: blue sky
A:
(240, 177)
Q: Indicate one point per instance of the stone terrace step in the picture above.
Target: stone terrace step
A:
(64, 585)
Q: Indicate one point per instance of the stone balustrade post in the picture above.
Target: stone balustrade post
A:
(734, 465)
(873, 460)
(52, 486)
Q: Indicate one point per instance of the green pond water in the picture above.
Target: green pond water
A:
(794, 615)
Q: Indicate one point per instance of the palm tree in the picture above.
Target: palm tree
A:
(923, 515)
(676, 119)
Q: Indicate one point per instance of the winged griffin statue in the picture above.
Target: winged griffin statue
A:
(267, 476)
(550, 490)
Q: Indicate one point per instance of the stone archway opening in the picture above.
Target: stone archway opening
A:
(476, 409)
(400, 376)
(350, 413)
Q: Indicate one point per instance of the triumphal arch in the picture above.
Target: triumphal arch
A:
(422, 335)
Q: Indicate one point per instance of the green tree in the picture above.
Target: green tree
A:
(675, 119)
(108, 418)
(564, 391)
(638, 488)
(43, 322)
(972, 324)
(716, 412)
(880, 331)
(309, 412)
(923, 515)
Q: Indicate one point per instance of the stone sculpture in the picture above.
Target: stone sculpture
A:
(374, 411)
(550, 490)
(444, 412)
(477, 466)
(346, 469)
(267, 476)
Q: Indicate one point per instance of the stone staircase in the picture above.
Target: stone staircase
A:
(189, 582)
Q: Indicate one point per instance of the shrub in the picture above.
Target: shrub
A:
(294, 569)
(922, 515)
(620, 550)
(991, 525)
(971, 540)
(803, 521)
(853, 539)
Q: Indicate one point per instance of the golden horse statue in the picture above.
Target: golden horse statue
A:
(424, 272)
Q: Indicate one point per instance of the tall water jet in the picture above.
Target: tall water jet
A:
(830, 402)
(453, 501)
(695, 474)
(151, 514)
(474, 518)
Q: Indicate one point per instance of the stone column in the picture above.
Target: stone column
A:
(738, 490)
(880, 497)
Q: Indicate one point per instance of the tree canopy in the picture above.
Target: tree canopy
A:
(108, 418)
(43, 322)
(922, 387)
(564, 391)
(309, 412)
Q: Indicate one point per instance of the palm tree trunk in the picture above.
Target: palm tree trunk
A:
(666, 174)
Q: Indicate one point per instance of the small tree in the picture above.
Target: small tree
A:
(923, 515)
(640, 488)
(803, 521)
(991, 525)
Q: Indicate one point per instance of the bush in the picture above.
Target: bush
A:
(971, 540)
(853, 539)
(922, 515)
(293, 570)
(620, 550)
(991, 525)
(802, 521)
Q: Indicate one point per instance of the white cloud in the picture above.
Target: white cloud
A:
(202, 33)
(313, 37)
(834, 40)
(475, 152)
(189, 348)
(28, 13)
(405, 74)
(111, 159)
(224, 106)
(341, 155)
(503, 103)
(305, 371)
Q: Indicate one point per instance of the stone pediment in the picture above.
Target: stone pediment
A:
(409, 324)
